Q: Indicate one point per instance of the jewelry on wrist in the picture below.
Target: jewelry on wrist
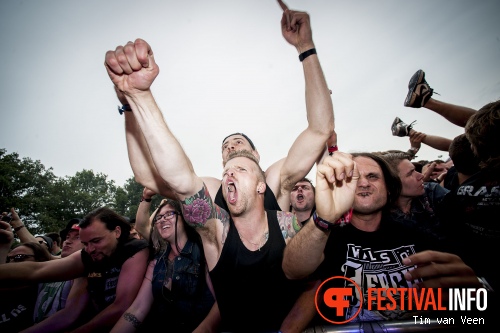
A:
(322, 224)
(147, 200)
(306, 54)
(16, 229)
(123, 108)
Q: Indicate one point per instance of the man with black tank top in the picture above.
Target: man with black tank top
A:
(282, 175)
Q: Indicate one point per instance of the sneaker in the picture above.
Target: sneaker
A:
(399, 128)
(419, 91)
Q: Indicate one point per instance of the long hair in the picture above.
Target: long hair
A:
(111, 219)
(158, 245)
(392, 181)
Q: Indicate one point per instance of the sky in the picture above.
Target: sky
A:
(225, 68)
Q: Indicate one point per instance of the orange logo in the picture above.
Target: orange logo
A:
(333, 297)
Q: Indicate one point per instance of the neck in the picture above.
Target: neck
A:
(252, 229)
(181, 241)
(404, 204)
(302, 215)
(368, 223)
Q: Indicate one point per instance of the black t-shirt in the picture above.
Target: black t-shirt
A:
(103, 276)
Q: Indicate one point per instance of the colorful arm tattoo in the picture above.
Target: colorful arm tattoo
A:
(132, 319)
(289, 224)
(200, 208)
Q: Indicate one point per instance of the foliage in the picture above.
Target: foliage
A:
(46, 202)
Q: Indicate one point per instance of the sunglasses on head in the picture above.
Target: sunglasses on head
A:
(42, 242)
(19, 257)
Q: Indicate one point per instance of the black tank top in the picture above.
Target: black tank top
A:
(270, 201)
(251, 288)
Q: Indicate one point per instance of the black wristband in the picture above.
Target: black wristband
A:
(306, 54)
(322, 224)
(123, 108)
(16, 229)
(144, 199)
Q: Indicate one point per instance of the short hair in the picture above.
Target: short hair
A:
(305, 179)
(55, 237)
(40, 252)
(462, 155)
(110, 218)
(243, 135)
(483, 132)
(249, 155)
(392, 180)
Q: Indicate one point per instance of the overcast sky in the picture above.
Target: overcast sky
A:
(224, 67)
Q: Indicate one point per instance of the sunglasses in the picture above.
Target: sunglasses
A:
(19, 257)
(42, 242)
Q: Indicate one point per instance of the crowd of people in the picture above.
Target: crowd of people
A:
(248, 252)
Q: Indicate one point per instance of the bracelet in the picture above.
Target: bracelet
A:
(306, 54)
(322, 224)
(123, 108)
(147, 200)
(16, 229)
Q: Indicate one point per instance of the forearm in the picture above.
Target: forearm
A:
(303, 311)
(437, 142)
(304, 253)
(319, 104)
(103, 321)
(211, 322)
(142, 223)
(145, 172)
(167, 154)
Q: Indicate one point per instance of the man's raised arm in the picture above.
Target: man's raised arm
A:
(132, 69)
(310, 144)
(336, 181)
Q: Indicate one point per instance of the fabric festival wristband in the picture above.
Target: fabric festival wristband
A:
(322, 224)
(332, 149)
(306, 54)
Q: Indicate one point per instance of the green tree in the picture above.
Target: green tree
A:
(24, 184)
(128, 198)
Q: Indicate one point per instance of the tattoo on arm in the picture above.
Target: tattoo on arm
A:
(200, 208)
(132, 319)
(288, 224)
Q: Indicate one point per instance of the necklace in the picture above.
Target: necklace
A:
(262, 240)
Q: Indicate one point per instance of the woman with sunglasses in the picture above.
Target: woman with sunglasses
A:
(176, 293)
(18, 301)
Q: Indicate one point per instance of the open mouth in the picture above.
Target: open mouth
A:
(231, 192)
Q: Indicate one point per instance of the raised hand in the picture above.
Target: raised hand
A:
(296, 28)
(416, 139)
(336, 181)
(132, 67)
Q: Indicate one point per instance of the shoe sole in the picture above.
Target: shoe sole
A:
(394, 126)
(415, 80)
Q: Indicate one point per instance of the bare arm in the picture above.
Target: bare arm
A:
(68, 268)
(25, 236)
(304, 252)
(433, 141)
(129, 282)
(142, 217)
(62, 320)
(303, 311)
(137, 312)
(310, 144)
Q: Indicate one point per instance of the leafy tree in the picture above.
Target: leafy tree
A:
(24, 184)
(128, 198)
